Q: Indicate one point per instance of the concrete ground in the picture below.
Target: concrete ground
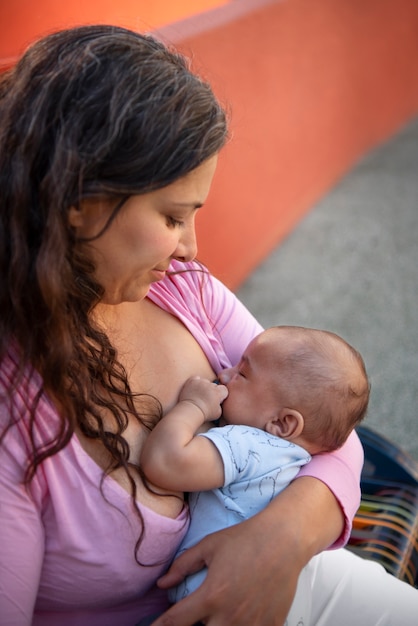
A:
(351, 266)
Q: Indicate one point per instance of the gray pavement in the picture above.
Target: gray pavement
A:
(351, 266)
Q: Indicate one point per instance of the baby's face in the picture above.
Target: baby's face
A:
(251, 400)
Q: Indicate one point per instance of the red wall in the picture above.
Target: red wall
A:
(312, 85)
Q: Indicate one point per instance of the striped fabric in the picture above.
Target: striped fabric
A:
(385, 527)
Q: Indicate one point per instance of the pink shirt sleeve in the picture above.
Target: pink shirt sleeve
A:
(21, 555)
(340, 471)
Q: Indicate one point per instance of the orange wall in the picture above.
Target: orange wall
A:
(22, 21)
(312, 85)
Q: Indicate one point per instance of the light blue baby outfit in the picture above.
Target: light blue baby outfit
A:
(257, 467)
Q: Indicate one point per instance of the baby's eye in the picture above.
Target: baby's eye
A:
(173, 222)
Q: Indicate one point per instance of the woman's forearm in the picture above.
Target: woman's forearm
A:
(309, 513)
(340, 471)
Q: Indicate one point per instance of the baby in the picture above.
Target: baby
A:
(296, 392)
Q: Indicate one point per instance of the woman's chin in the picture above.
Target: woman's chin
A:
(128, 295)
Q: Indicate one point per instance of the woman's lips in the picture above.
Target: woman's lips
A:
(159, 273)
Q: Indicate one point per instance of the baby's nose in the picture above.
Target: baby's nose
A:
(226, 375)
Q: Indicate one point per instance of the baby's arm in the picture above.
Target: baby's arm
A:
(173, 457)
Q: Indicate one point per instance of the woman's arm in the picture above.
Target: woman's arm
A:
(22, 539)
(340, 471)
(253, 567)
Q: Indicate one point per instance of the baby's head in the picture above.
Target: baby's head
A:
(308, 386)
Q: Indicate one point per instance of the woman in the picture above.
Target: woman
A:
(108, 148)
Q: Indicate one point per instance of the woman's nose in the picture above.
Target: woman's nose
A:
(187, 245)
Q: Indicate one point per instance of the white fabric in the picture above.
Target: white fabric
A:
(338, 588)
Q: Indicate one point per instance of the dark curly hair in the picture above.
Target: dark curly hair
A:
(94, 111)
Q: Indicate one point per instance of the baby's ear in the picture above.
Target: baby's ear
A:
(288, 424)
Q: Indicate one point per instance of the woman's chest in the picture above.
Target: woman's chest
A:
(159, 354)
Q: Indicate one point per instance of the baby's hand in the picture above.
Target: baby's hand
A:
(206, 395)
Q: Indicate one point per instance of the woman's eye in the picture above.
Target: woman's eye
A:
(172, 221)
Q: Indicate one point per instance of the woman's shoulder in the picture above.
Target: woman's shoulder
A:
(209, 309)
(190, 290)
(192, 286)
(190, 280)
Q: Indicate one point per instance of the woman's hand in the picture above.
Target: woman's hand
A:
(253, 567)
(244, 586)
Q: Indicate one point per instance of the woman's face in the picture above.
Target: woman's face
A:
(147, 233)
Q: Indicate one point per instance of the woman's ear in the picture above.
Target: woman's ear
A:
(88, 217)
(288, 424)
(75, 217)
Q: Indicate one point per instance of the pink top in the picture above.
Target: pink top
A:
(67, 554)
